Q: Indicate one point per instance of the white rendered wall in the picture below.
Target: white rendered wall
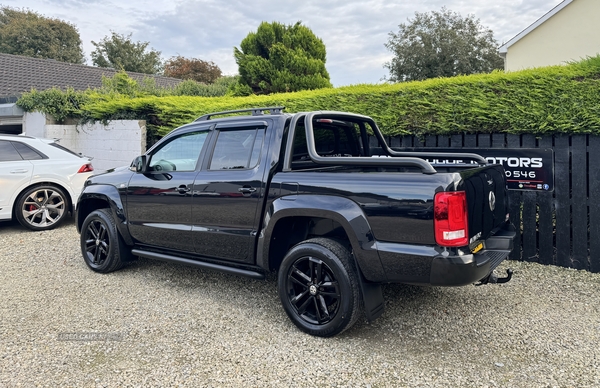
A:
(34, 124)
(112, 145)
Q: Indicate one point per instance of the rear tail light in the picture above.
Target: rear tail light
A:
(86, 168)
(450, 219)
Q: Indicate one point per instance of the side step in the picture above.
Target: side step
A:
(199, 264)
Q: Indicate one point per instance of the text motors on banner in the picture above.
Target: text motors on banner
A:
(526, 168)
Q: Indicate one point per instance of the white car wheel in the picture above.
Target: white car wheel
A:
(42, 207)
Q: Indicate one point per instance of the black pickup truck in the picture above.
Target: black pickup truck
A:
(306, 196)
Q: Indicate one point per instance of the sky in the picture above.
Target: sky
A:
(354, 31)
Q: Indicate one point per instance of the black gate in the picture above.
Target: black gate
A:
(561, 227)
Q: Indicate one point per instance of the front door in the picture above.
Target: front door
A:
(159, 201)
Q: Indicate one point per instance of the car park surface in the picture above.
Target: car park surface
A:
(162, 324)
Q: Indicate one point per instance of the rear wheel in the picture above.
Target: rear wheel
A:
(42, 207)
(102, 247)
(318, 287)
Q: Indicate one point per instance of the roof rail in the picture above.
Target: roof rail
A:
(274, 110)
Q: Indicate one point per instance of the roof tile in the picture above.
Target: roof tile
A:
(19, 74)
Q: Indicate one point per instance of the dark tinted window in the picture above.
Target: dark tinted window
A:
(56, 145)
(8, 153)
(27, 152)
(237, 149)
(331, 139)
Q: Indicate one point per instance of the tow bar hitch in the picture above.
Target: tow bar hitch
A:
(492, 278)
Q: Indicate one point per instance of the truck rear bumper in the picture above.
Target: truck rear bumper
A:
(436, 266)
(460, 270)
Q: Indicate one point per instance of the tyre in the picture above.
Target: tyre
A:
(42, 207)
(102, 247)
(318, 287)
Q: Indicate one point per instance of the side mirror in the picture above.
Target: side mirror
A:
(139, 164)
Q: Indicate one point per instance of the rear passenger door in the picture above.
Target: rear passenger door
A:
(228, 192)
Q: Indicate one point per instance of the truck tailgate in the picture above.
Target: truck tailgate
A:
(487, 200)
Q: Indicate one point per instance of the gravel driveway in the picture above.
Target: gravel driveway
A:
(159, 324)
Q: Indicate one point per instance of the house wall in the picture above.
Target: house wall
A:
(112, 145)
(570, 35)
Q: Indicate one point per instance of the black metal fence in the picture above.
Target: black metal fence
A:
(561, 227)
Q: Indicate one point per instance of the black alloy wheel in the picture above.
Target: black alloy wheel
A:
(102, 247)
(313, 290)
(318, 287)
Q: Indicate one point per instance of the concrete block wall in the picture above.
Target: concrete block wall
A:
(112, 145)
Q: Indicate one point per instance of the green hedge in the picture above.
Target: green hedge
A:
(557, 99)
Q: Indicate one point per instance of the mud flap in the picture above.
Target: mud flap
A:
(372, 298)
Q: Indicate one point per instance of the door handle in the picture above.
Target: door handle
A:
(246, 190)
(183, 189)
(19, 171)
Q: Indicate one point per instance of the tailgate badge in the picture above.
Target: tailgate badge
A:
(492, 201)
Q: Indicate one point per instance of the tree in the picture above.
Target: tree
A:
(24, 32)
(192, 68)
(280, 58)
(441, 44)
(120, 52)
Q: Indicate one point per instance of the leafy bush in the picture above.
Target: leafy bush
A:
(54, 102)
(558, 99)
(192, 88)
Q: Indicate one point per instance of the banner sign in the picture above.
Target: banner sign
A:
(526, 168)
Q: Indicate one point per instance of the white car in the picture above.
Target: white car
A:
(40, 180)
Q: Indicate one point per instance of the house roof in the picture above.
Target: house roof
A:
(19, 74)
(504, 48)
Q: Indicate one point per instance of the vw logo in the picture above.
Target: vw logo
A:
(492, 201)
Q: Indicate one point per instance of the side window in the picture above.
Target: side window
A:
(8, 153)
(179, 154)
(237, 149)
(27, 152)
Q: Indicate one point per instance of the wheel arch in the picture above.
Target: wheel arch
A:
(287, 222)
(103, 197)
(63, 188)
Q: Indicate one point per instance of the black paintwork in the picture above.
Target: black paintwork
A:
(246, 219)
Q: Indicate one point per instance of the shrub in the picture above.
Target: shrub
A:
(557, 99)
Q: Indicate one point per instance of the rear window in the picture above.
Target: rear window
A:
(28, 153)
(331, 139)
(56, 145)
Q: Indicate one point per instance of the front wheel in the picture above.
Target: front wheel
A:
(318, 287)
(102, 247)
